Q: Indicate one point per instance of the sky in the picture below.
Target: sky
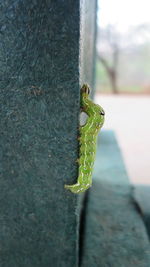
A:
(123, 13)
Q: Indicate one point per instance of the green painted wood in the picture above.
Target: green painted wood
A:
(88, 42)
(115, 234)
(141, 194)
(39, 102)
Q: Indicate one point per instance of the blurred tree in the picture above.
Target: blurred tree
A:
(110, 48)
(125, 57)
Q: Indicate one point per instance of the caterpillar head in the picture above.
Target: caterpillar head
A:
(98, 115)
(101, 115)
(95, 110)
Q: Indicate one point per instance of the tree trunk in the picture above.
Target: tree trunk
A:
(113, 81)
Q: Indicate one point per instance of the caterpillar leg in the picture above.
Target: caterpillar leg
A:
(78, 188)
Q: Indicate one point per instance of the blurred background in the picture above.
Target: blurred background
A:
(123, 79)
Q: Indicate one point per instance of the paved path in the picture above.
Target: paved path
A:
(129, 117)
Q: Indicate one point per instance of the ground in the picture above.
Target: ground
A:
(129, 117)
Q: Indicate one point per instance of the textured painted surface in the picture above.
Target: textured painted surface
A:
(115, 234)
(39, 102)
(141, 194)
(87, 141)
(88, 42)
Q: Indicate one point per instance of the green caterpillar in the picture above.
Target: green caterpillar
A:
(88, 137)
